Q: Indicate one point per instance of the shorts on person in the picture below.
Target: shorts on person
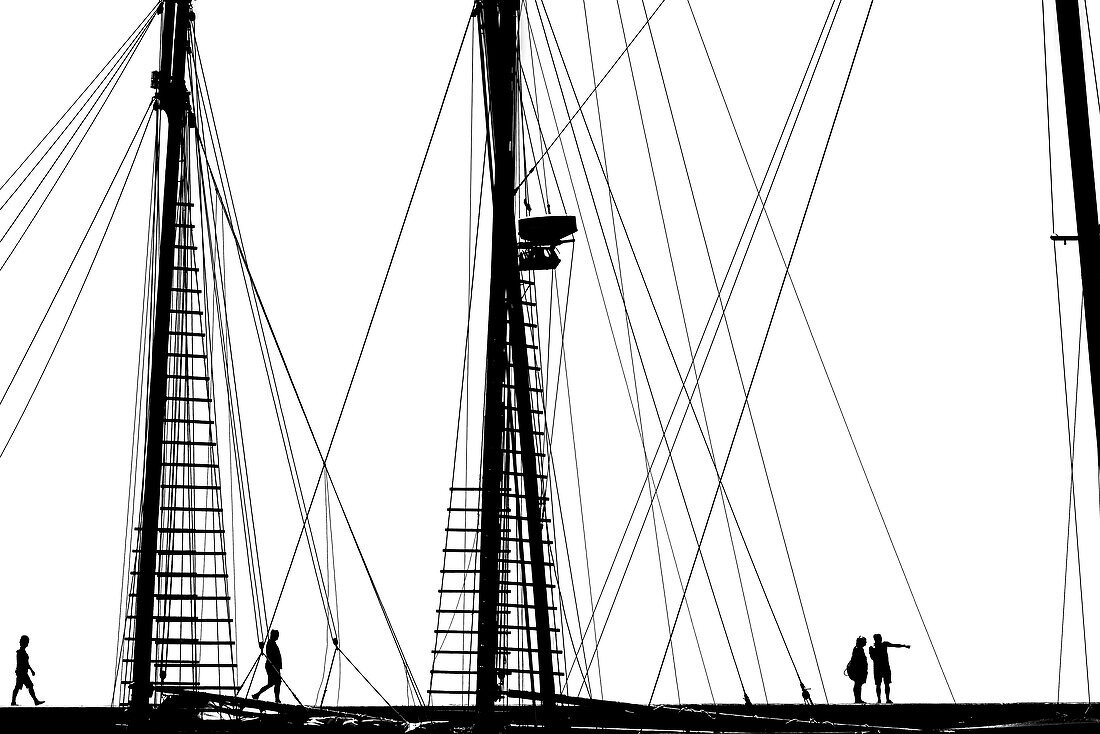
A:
(882, 675)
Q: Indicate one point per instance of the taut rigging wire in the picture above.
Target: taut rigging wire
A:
(704, 426)
(745, 601)
(251, 539)
(917, 607)
(580, 106)
(614, 232)
(236, 431)
(381, 292)
(552, 419)
(226, 206)
(626, 380)
(140, 28)
(836, 399)
(137, 447)
(1071, 421)
(99, 97)
(142, 129)
(374, 312)
(251, 283)
(631, 399)
(653, 306)
(834, 10)
(771, 321)
(634, 408)
(1072, 531)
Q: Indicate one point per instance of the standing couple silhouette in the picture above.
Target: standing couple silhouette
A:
(857, 667)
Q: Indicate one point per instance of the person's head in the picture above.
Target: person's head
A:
(274, 635)
(878, 639)
(24, 641)
(861, 641)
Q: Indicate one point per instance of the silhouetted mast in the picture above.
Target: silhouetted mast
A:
(172, 101)
(1070, 44)
(506, 352)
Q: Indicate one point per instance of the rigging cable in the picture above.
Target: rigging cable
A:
(745, 600)
(563, 369)
(76, 255)
(626, 380)
(771, 319)
(397, 242)
(99, 97)
(374, 312)
(1092, 54)
(1071, 508)
(664, 333)
(704, 428)
(283, 431)
(569, 122)
(209, 250)
(137, 447)
(140, 28)
(561, 355)
(229, 369)
(388, 269)
(705, 432)
(464, 392)
(206, 111)
(834, 10)
(471, 260)
(551, 423)
(142, 129)
(267, 321)
(682, 386)
(367, 680)
(614, 233)
(635, 410)
(1071, 424)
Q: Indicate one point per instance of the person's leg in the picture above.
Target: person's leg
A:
(30, 690)
(257, 693)
(878, 688)
(886, 681)
(278, 688)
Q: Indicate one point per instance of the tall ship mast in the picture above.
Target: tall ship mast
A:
(181, 580)
(513, 581)
(1079, 130)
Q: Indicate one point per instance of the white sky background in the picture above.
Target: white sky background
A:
(925, 268)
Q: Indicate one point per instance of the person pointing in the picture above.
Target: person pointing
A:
(881, 659)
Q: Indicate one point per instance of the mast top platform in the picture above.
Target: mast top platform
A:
(547, 230)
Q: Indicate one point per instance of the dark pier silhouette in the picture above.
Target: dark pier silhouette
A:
(576, 714)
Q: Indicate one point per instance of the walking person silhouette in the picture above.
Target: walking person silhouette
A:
(857, 668)
(22, 667)
(881, 658)
(273, 666)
